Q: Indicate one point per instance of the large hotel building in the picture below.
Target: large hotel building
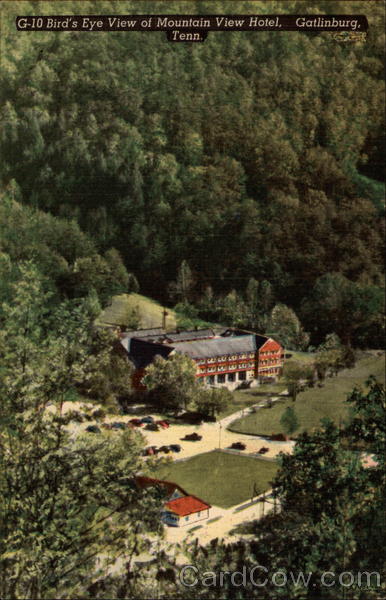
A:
(230, 358)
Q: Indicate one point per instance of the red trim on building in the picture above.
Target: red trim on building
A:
(270, 345)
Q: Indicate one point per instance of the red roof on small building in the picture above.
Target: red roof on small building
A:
(187, 505)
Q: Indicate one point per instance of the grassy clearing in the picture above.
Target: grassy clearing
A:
(302, 357)
(150, 312)
(315, 403)
(219, 478)
(240, 401)
(246, 398)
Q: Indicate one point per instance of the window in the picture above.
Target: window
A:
(231, 376)
(210, 379)
(220, 378)
(242, 375)
(198, 514)
(187, 518)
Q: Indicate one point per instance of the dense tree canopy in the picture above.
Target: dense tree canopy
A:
(66, 509)
(242, 178)
(63, 254)
(253, 155)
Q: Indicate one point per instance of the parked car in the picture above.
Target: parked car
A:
(263, 450)
(118, 425)
(193, 437)
(136, 422)
(150, 451)
(152, 427)
(163, 424)
(164, 449)
(175, 447)
(147, 420)
(93, 429)
(238, 446)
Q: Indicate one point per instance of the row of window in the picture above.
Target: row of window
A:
(226, 358)
(229, 367)
(269, 362)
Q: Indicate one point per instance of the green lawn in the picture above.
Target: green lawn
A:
(239, 400)
(150, 312)
(249, 397)
(302, 357)
(219, 478)
(315, 403)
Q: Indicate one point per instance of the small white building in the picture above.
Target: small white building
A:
(185, 511)
(180, 508)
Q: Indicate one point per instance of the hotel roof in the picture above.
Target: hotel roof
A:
(217, 346)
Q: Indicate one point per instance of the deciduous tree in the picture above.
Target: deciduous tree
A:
(172, 382)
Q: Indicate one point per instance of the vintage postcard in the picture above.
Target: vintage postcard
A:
(192, 344)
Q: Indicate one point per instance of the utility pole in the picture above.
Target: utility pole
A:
(164, 315)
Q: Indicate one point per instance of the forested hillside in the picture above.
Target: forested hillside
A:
(64, 255)
(250, 156)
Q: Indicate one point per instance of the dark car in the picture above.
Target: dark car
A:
(193, 437)
(93, 429)
(163, 424)
(175, 447)
(263, 450)
(152, 427)
(136, 422)
(164, 449)
(147, 420)
(238, 446)
(150, 451)
(118, 425)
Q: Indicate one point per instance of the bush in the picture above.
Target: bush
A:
(74, 415)
(99, 413)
